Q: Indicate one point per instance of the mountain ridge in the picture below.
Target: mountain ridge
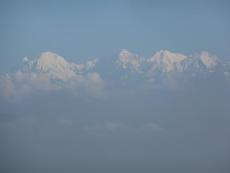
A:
(50, 71)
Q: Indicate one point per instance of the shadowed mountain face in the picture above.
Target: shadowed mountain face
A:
(166, 113)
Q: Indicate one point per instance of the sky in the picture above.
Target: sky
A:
(72, 101)
(85, 29)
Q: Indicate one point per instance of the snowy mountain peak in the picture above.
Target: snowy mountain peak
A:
(51, 61)
(165, 55)
(51, 72)
(56, 67)
(209, 61)
(129, 60)
(167, 61)
(125, 53)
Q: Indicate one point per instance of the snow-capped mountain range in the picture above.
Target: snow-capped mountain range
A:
(165, 68)
(51, 71)
(165, 61)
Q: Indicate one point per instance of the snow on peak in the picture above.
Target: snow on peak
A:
(125, 53)
(209, 61)
(54, 66)
(129, 60)
(165, 55)
(51, 71)
(167, 61)
(25, 59)
(51, 60)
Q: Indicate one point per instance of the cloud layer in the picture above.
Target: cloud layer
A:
(58, 125)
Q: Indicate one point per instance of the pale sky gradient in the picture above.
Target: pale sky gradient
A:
(121, 113)
(85, 29)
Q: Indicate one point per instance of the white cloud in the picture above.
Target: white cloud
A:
(112, 126)
(103, 127)
(152, 127)
(65, 123)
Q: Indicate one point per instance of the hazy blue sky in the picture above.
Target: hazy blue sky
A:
(85, 29)
(166, 114)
